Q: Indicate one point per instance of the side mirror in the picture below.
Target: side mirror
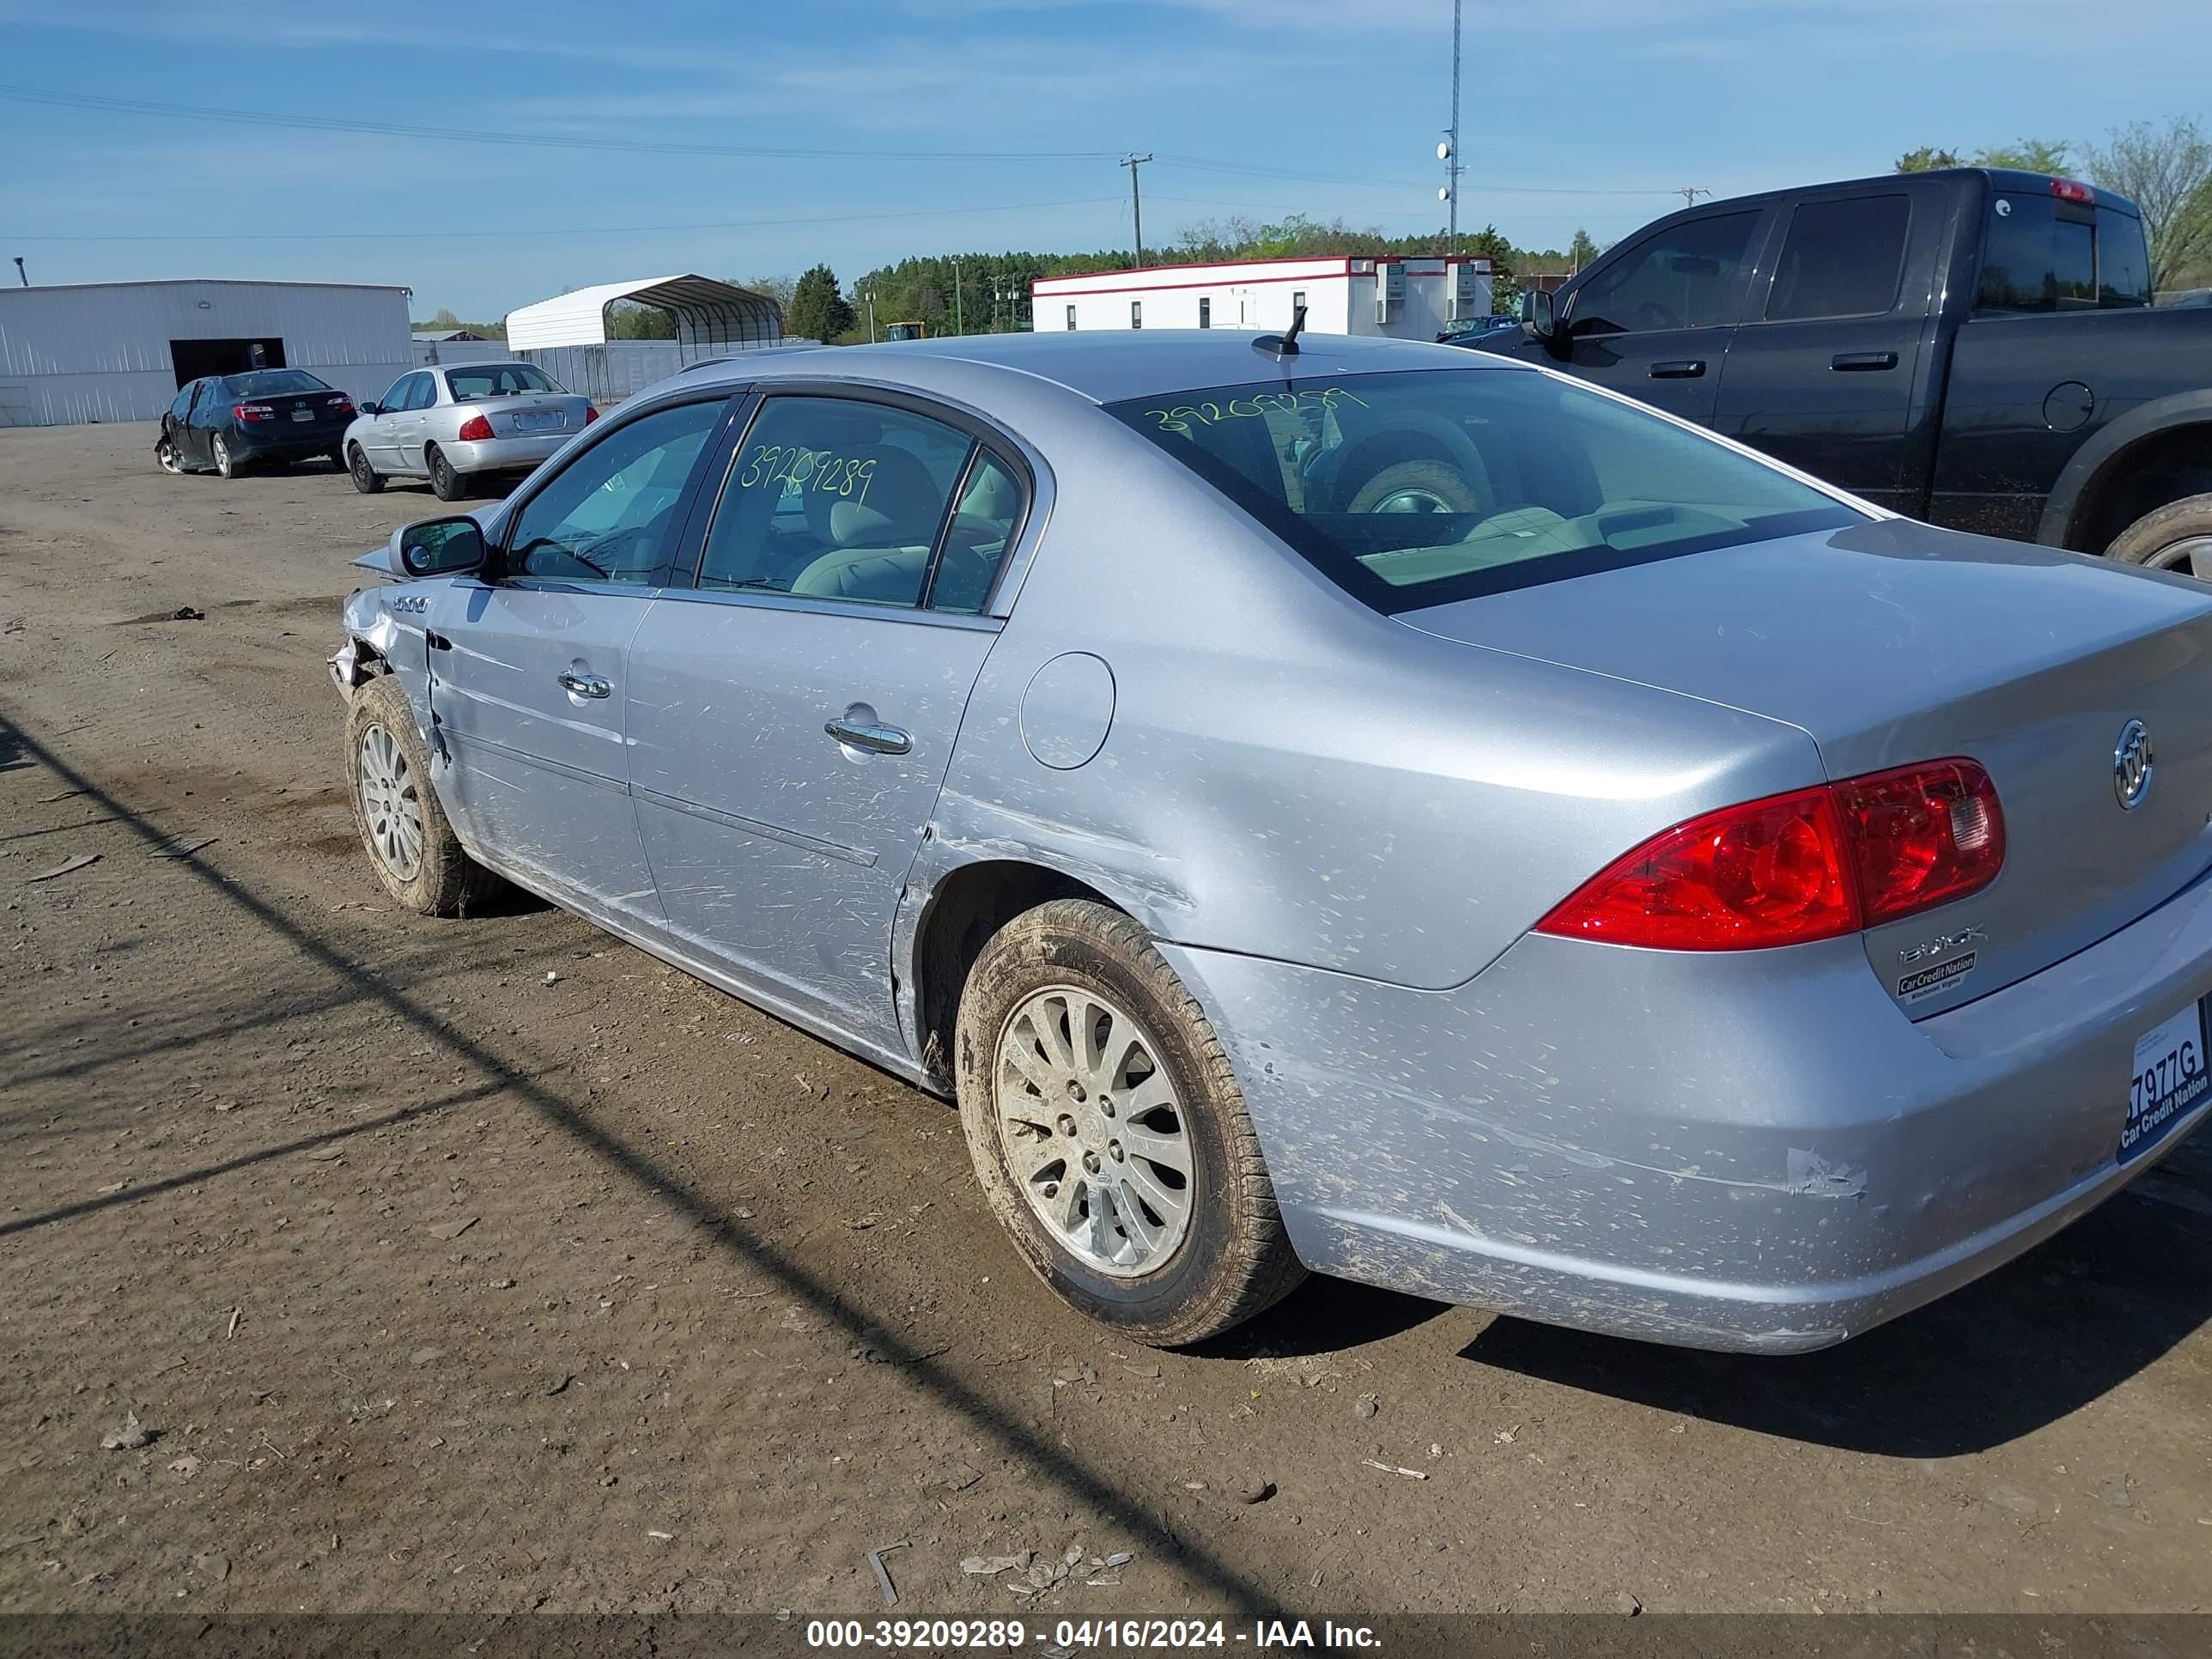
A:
(1537, 318)
(438, 547)
(372, 409)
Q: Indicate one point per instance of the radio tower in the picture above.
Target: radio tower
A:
(1448, 152)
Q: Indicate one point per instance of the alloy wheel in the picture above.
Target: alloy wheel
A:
(1092, 1131)
(2191, 556)
(390, 804)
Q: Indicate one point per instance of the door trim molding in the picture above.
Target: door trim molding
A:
(860, 855)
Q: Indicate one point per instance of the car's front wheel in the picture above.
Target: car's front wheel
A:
(410, 845)
(366, 478)
(165, 452)
(1108, 1132)
(2177, 537)
(224, 463)
(446, 483)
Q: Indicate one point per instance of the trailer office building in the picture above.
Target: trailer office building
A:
(118, 352)
(1405, 299)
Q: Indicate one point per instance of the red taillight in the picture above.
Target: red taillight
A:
(1794, 868)
(253, 412)
(344, 405)
(1921, 836)
(475, 429)
(591, 413)
(2072, 189)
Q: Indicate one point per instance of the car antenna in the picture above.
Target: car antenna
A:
(1284, 345)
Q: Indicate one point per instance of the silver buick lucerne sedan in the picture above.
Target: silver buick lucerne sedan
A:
(1344, 805)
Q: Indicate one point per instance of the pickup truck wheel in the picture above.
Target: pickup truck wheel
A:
(1416, 487)
(410, 846)
(2177, 537)
(1108, 1132)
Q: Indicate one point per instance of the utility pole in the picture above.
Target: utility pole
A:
(19, 270)
(872, 316)
(1136, 205)
(1452, 168)
(1689, 193)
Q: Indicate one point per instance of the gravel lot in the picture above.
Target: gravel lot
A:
(431, 1283)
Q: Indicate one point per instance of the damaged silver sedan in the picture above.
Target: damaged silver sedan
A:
(1344, 805)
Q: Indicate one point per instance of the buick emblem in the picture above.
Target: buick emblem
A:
(2131, 766)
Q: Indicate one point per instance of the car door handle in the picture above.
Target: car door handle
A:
(585, 685)
(1682, 368)
(1863, 360)
(878, 739)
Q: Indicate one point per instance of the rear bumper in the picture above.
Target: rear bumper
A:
(502, 454)
(1726, 1152)
(282, 440)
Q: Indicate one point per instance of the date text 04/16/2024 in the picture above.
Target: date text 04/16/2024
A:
(1086, 1635)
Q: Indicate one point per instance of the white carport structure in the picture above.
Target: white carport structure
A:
(712, 318)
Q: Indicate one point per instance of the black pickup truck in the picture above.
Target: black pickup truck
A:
(1973, 347)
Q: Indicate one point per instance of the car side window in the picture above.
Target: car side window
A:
(985, 522)
(1841, 259)
(205, 399)
(183, 406)
(608, 515)
(1683, 277)
(397, 390)
(828, 498)
(426, 393)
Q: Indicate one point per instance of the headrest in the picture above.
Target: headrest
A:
(903, 508)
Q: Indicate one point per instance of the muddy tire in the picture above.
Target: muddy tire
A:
(445, 484)
(403, 828)
(1108, 1132)
(2177, 537)
(1416, 487)
(366, 478)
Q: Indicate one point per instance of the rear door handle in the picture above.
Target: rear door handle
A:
(585, 685)
(1683, 368)
(1863, 360)
(877, 739)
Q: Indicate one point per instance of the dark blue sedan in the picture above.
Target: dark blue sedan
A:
(227, 422)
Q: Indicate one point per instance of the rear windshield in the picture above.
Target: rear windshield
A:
(497, 380)
(2039, 254)
(274, 383)
(1421, 487)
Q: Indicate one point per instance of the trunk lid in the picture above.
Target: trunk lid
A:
(530, 414)
(1892, 642)
(321, 410)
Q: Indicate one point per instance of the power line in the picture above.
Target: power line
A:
(542, 232)
(1253, 171)
(544, 141)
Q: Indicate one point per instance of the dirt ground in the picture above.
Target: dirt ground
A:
(434, 1281)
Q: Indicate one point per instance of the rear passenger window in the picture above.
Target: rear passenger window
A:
(1841, 259)
(832, 499)
(985, 523)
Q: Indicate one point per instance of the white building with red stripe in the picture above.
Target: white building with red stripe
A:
(1408, 298)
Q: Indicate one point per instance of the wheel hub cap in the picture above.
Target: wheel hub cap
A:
(2191, 556)
(390, 806)
(1093, 1130)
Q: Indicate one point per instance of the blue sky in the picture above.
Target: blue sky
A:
(979, 123)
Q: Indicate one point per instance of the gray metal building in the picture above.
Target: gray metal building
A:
(118, 352)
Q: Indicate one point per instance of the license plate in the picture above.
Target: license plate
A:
(303, 414)
(2171, 1077)
(536, 423)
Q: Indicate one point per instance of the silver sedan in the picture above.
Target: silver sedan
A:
(1344, 805)
(456, 422)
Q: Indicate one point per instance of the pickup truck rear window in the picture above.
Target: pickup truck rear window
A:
(1431, 485)
(2039, 254)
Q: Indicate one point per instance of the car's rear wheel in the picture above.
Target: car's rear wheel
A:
(165, 452)
(366, 478)
(1416, 487)
(224, 463)
(1108, 1132)
(2177, 537)
(446, 483)
(337, 458)
(410, 845)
